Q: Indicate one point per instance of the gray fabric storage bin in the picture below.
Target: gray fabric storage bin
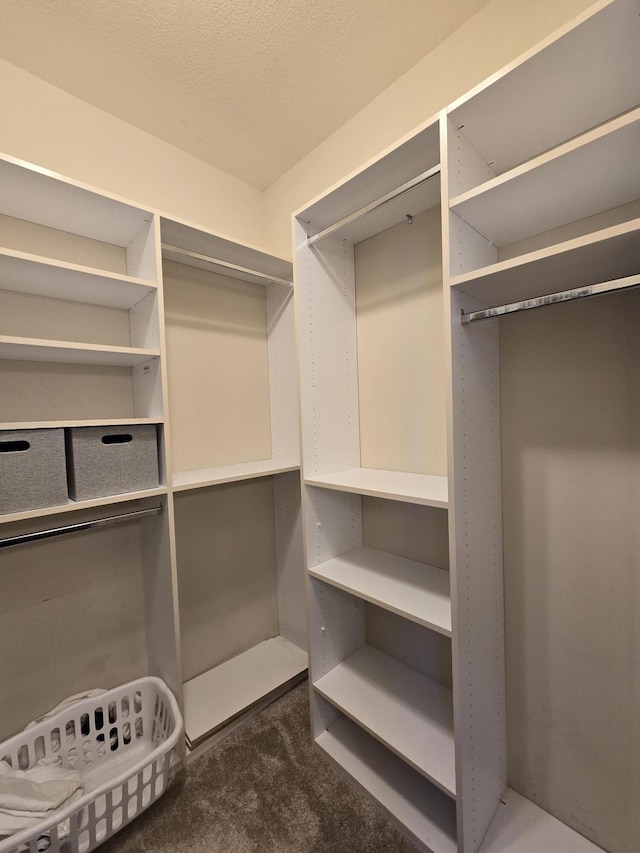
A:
(33, 471)
(111, 460)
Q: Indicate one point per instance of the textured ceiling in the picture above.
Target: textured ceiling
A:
(250, 86)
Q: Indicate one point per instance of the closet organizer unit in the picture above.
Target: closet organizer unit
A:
(369, 311)
(541, 181)
(236, 482)
(80, 345)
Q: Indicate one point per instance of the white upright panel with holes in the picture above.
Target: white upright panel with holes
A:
(235, 477)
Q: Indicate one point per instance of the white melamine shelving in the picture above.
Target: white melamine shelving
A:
(581, 178)
(407, 712)
(411, 589)
(604, 255)
(380, 620)
(39, 276)
(428, 815)
(70, 352)
(82, 345)
(231, 360)
(74, 506)
(218, 696)
(553, 93)
(205, 477)
(425, 489)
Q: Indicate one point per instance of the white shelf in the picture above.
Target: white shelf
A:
(401, 708)
(426, 489)
(68, 352)
(26, 273)
(203, 477)
(427, 814)
(101, 422)
(192, 239)
(417, 591)
(602, 256)
(556, 90)
(520, 826)
(37, 195)
(218, 696)
(74, 506)
(578, 179)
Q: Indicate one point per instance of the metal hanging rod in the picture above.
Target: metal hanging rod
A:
(76, 528)
(217, 262)
(374, 205)
(553, 298)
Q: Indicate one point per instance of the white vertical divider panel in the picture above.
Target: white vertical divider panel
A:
(326, 319)
(283, 384)
(158, 533)
(476, 567)
(291, 588)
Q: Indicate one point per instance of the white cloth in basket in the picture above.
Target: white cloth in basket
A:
(28, 796)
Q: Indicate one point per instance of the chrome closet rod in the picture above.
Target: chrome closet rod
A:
(551, 299)
(76, 528)
(225, 264)
(374, 205)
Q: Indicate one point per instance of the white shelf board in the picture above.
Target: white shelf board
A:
(416, 591)
(411, 156)
(74, 506)
(426, 489)
(401, 708)
(27, 273)
(411, 203)
(203, 477)
(557, 89)
(194, 239)
(425, 812)
(101, 422)
(70, 352)
(519, 826)
(604, 255)
(216, 697)
(576, 180)
(37, 195)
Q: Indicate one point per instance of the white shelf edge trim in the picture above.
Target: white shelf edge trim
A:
(414, 590)
(426, 489)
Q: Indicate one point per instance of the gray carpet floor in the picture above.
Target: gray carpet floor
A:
(263, 789)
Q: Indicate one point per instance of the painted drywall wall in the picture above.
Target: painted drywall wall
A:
(492, 38)
(46, 126)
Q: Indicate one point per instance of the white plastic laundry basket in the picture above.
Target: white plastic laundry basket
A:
(121, 741)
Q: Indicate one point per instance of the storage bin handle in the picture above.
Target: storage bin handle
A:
(14, 446)
(120, 438)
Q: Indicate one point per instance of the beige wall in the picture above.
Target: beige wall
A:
(44, 125)
(495, 36)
